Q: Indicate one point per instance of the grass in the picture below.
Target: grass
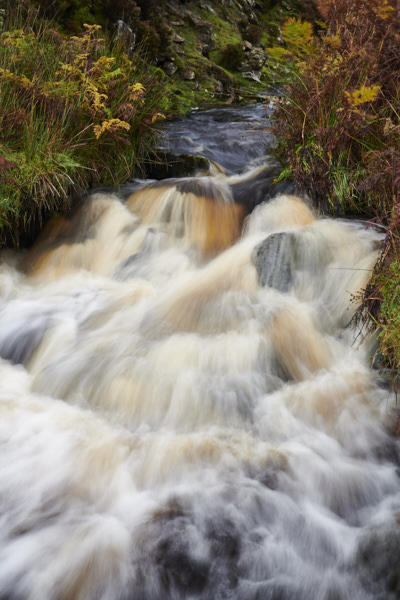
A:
(74, 112)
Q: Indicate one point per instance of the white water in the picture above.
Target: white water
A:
(170, 429)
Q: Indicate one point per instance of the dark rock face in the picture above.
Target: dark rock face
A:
(176, 165)
(261, 187)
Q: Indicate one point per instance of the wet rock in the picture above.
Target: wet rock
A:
(169, 165)
(378, 560)
(274, 260)
(261, 187)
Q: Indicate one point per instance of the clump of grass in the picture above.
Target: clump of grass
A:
(74, 112)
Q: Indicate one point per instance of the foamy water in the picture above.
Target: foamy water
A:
(172, 429)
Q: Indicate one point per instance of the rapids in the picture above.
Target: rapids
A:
(175, 424)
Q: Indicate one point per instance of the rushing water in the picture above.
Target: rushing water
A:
(186, 407)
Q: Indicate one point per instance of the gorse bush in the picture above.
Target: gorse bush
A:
(339, 121)
(74, 112)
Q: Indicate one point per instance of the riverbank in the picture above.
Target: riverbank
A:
(85, 86)
(339, 129)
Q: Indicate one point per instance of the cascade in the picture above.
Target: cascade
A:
(187, 410)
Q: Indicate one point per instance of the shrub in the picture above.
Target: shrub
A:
(253, 34)
(339, 125)
(231, 57)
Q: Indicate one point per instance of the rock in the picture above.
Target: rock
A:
(274, 260)
(219, 88)
(169, 67)
(125, 33)
(377, 559)
(178, 49)
(178, 39)
(203, 32)
(188, 74)
(247, 45)
(227, 83)
(167, 165)
(254, 75)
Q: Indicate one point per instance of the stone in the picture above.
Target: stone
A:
(167, 165)
(188, 74)
(178, 49)
(178, 39)
(274, 260)
(203, 32)
(169, 68)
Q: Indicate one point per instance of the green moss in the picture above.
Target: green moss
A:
(231, 57)
(223, 32)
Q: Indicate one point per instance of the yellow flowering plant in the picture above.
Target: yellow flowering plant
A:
(74, 112)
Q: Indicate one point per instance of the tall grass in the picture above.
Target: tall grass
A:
(74, 112)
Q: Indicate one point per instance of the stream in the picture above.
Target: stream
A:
(187, 407)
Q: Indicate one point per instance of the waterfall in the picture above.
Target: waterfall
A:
(187, 409)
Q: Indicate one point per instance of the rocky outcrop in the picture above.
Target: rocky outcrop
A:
(201, 42)
(203, 32)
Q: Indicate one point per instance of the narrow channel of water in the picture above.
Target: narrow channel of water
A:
(187, 411)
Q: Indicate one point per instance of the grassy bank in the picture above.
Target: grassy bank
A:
(75, 111)
(338, 124)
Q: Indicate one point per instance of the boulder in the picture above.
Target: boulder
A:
(274, 260)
